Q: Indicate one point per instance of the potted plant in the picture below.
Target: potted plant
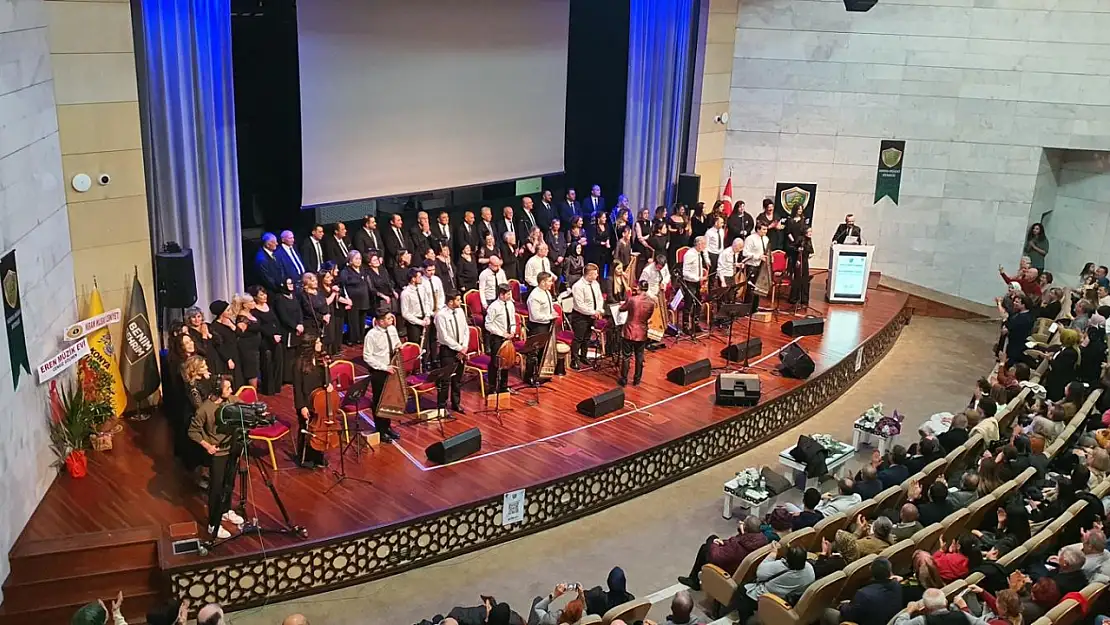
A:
(95, 385)
(70, 426)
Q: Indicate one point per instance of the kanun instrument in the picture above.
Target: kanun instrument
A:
(395, 396)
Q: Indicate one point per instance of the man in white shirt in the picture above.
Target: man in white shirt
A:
(695, 266)
(731, 261)
(491, 278)
(501, 326)
(657, 276)
(453, 335)
(588, 306)
(416, 307)
(431, 292)
(377, 351)
(536, 265)
(755, 254)
(541, 315)
(715, 241)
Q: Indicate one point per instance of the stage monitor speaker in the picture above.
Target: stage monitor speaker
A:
(603, 404)
(455, 448)
(859, 6)
(738, 389)
(736, 352)
(688, 374)
(796, 363)
(804, 327)
(175, 278)
(689, 188)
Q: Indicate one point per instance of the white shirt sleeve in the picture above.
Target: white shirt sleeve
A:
(446, 320)
(587, 297)
(487, 287)
(531, 270)
(410, 305)
(725, 267)
(714, 241)
(375, 350)
(539, 310)
(752, 249)
(692, 265)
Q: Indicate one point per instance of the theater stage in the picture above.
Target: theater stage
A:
(415, 512)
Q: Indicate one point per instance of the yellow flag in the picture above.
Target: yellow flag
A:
(101, 362)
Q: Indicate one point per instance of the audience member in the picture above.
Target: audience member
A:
(925, 576)
(868, 485)
(1094, 550)
(894, 472)
(811, 512)
(1068, 572)
(786, 575)
(834, 556)
(967, 493)
(542, 614)
(874, 604)
(933, 610)
(96, 613)
(599, 601)
(937, 506)
(956, 435)
(1006, 607)
(727, 554)
(844, 500)
(928, 451)
(295, 619)
(874, 536)
(907, 525)
(211, 614)
(956, 559)
(682, 610)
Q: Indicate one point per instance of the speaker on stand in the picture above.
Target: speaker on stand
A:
(175, 283)
(689, 188)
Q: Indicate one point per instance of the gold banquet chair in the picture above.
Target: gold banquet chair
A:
(819, 595)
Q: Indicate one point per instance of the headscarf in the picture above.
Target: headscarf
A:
(844, 543)
(499, 614)
(90, 614)
(618, 587)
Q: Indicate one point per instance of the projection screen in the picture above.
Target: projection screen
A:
(403, 96)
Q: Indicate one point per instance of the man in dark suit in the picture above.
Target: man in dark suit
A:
(848, 229)
(595, 203)
(569, 209)
(267, 265)
(465, 233)
(442, 230)
(312, 251)
(545, 211)
(292, 266)
(421, 235)
(336, 247)
(527, 219)
(639, 307)
(396, 240)
(877, 602)
(506, 224)
(367, 238)
(485, 226)
(740, 224)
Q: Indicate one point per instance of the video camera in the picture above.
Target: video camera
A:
(232, 418)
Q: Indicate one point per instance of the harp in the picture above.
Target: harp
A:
(395, 397)
(550, 356)
(762, 286)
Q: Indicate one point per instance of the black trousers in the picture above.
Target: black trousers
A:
(531, 364)
(377, 385)
(633, 349)
(753, 275)
(271, 360)
(221, 485)
(702, 558)
(498, 377)
(799, 284)
(691, 305)
(582, 325)
(448, 356)
(356, 325)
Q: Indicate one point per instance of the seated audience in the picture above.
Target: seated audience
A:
(933, 610)
(874, 536)
(1094, 549)
(874, 604)
(844, 500)
(967, 493)
(727, 554)
(907, 525)
(211, 614)
(894, 472)
(599, 601)
(868, 485)
(987, 426)
(542, 614)
(937, 507)
(786, 575)
(682, 610)
(96, 613)
(491, 612)
(929, 450)
(810, 513)
(1006, 607)
(956, 559)
(995, 576)
(1068, 570)
(956, 435)
(925, 576)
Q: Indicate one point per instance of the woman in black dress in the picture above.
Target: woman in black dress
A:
(679, 227)
(659, 241)
(641, 233)
(270, 347)
(225, 342)
(356, 283)
(381, 285)
(795, 231)
(574, 265)
(308, 375)
(600, 250)
(799, 284)
(487, 249)
(179, 407)
(1064, 365)
(660, 217)
(577, 233)
(250, 339)
(700, 221)
(338, 305)
(467, 268)
(511, 263)
(290, 316)
(400, 271)
(202, 336)
(314, 307)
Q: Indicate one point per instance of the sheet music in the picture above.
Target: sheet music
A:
(676, 301)
(619, 316)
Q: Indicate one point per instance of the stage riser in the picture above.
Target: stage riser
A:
(291, 572)
(134, 609)
(79, 590)
(84, 562)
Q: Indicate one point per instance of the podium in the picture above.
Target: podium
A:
(849, 268)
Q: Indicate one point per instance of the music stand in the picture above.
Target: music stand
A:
(732, 312)
(442, 375)
(351, 398)
(690, 298)
(533, 345)
(501, 365)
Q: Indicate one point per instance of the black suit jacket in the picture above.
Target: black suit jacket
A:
(448, 275)
(525, 222)
(740, 225)
(311, 260)
(365, 242)
(544, 214)
(502, 228)
(420, 244)
(270, 273)
(334, 252)
(844, 230)
(462, 237)
(568, 211)
(393, 246)
(484, 229)
(449, 238)
(588, 206)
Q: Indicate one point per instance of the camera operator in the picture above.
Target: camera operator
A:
(203, 430)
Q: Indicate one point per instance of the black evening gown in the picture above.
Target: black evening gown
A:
(250, 344)
(467, 273)
(289, 315)
(678, 239)
(304, 382)
(270, 354)
(225, 342)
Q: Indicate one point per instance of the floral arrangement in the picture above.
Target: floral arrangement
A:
(96, 389)
(831, 445)
(71, 426)
(750, 485)
(874, 421)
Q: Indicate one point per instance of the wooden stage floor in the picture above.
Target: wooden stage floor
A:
(138, 484)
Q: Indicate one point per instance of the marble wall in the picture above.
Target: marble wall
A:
(720, 37)
(1079, 224)
(976, 88)
(33, 221)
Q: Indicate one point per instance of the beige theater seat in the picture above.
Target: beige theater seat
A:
(1014, 558)
(1065, 613)
(866, 507)
(856, 575)
(629, 612)
(927, 538)
(955, 525)
(720, 586)
(900, 555)
(932, 471)
(589, 619)
(827, 528)
(821, 594)
(892, 498)
(979, 509)
(803, 538)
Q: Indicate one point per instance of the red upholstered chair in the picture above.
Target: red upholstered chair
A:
(514, 284)
(417, 380)
(780, 276)
(267, 434)
(473, 301)
(476, 362)
(562, 333)
(342, 374)
(681, 253)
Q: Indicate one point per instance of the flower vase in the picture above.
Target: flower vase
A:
(77, 464)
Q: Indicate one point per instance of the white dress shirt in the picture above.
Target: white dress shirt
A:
(501, 318)
(533, 267)
(488, 283)
(431, 292)
(319, 252)
(656, 278)
(587, 297)
(451, 328)
(727, 262)
(715, 240)
(541, 306)
(445, 232)
(378, 346)
(693, 265)
(415, 307)
(755, 247)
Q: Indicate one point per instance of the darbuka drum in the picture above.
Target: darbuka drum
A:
(563, 351)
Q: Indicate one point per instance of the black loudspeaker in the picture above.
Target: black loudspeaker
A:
(859, 6)
(804, 327)
(738, 389)
(796, 363)
(603, 404)
(688, 374)
(175, 279)
(737, 352)
(689, 188)
(455, 448)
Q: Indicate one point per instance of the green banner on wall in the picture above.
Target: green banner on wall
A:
(13, 317)
(888, 179)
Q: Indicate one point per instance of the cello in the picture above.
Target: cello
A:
(323, 426)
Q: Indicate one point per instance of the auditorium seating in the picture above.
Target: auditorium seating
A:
(629, 612)
(818, 596)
